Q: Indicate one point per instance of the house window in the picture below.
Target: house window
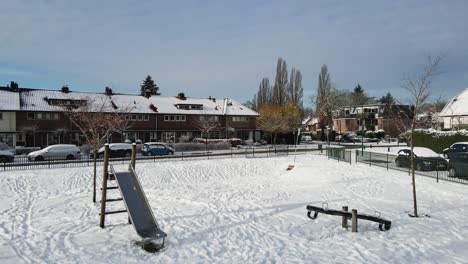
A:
(347, 122)
(174, 118)
(239, 118)
(146, 117)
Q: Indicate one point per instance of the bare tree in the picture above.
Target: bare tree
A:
(419, 90)
(30, 130)
(278, 94)
(95, 119)
(206, 124)
(326, 99)
(295, 90)
(264, 93)
(272, 121)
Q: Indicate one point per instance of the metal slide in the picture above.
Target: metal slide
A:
(137, 205)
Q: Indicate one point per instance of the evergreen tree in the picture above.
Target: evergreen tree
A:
(358, 96)
(387, 99)
(148, 88)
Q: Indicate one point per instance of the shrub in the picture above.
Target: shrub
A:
(380, 134)
(370, 134)
(437, 140)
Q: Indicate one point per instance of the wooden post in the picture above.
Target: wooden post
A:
(344, 221)
(105, 174)
(354, 220)
(133, 155)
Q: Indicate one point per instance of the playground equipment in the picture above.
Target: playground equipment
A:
(139, 211)
(384, 224)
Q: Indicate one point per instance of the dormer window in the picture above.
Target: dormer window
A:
(189, 106)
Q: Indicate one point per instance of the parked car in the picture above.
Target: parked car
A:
(455, 148)
(458, 165)
(116, 150)
(6, 156)
(425, 159)
(152, 149)
(55, 152)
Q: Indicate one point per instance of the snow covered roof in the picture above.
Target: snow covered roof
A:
(40, 100)
(9, 100)
(457, 106)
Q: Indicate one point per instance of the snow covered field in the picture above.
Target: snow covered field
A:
(235, 210)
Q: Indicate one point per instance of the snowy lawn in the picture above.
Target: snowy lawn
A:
(235, 210)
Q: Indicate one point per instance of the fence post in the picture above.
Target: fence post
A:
(437, 169)
(350, 158)
(253, 151)
(354, 220)
(387, 161)
(287, 150)
(370, 159)
(231, 153)
(357, 153)
(182, 155)
(344, 219)
(104, 186)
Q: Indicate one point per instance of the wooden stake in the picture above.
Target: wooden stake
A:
(104, 186)
(344, 220)
(354, 220)
(133, 155)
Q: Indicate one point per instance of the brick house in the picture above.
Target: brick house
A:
(371, 117)
(39, 118)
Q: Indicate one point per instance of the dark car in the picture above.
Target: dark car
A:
(424, 158)
(6, 156)
(156, 149)
(455, 148)
(116, 150)
(458, 165)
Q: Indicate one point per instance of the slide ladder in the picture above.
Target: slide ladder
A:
(138, 208)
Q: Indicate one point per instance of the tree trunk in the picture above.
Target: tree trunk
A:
(413, 178)
(94, 174)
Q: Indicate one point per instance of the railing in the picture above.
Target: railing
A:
(439, 169)
(339, 154)
(22, 162)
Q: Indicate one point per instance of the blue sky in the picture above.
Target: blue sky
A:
(224, 48)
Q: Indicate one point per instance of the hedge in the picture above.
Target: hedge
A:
(437, 140)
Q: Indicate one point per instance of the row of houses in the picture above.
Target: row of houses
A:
(373, 117)
(36, 117)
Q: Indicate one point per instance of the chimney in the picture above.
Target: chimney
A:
(108, 91)
(181, 96)
(65, 89)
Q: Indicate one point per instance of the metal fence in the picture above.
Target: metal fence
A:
(339, 154)
(23, 163)
(435, 168)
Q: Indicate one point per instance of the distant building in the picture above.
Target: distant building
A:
(311, 124)
(455, 113)
(35, 117)
(370, 117)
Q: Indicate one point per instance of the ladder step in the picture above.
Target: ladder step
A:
(113, 200)
(111, 188)
(115, 212)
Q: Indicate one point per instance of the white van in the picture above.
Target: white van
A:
(56, 152)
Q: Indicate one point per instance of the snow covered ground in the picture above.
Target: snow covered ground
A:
(235, 210)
